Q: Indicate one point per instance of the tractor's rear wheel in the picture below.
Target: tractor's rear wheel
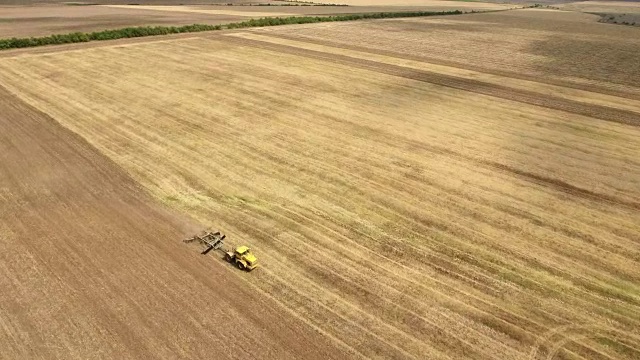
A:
(227, 257)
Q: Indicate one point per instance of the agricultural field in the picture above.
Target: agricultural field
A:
(24, 21)
(46, 19)
(614, 12)
(602, 6)
(88, 271)
(533, 44)
(462, 187)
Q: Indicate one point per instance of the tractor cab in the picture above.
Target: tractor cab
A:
(243, 258)
(241, 250)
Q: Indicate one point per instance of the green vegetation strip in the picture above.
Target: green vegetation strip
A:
(132, 32)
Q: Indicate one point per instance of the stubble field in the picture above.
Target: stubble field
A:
(404, 202)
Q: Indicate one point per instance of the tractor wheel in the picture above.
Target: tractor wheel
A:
(241, 265)
(227, 257)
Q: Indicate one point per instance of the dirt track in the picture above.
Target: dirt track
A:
(92, 269)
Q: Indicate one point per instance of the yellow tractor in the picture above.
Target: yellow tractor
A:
(242, 257)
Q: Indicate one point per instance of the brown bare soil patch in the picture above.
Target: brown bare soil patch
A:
(92, 268)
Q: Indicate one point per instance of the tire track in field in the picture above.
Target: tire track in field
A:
(551, 343)
(564, 186)
(479, 87)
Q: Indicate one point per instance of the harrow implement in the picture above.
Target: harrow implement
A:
(212, 241)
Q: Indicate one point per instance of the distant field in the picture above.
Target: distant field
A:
(42, 20)
(614, 12)
(603, 6)
(411, 191)
(431, 3)
(225, 2)
(542, 45)
(121, 2)
(47, 20)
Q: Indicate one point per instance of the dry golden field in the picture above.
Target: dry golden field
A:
(411, 192)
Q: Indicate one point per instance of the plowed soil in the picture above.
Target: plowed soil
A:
(407, 197)
(91, 268)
